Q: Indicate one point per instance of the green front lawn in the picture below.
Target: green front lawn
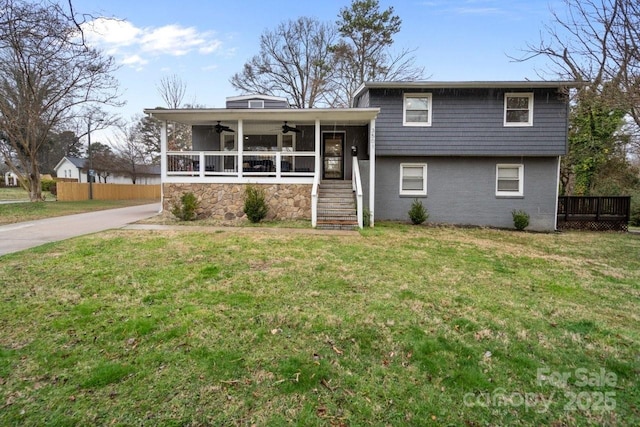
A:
(398, 325)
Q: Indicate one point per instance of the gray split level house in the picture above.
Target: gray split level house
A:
(472, 152)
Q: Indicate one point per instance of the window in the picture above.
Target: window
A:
(256, 103)
(413, 179)
(518, 109)
(417, 109)
(509, 180)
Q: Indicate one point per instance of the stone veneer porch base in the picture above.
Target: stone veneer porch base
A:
(226, 201)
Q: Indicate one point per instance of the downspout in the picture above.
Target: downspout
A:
(555, 217)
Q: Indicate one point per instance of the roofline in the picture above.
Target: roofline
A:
(211, 115)
(59, 163)
(480, 84)
(68, 159)
(256, 96)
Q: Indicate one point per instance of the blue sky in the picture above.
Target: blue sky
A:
(206, 42)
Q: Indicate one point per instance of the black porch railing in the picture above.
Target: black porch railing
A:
(594, 212)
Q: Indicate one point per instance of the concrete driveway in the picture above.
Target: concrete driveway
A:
(25, 235)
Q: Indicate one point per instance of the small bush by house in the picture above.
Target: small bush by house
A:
(255, 204)
(418, 213)
(186, 209)
(520, 219)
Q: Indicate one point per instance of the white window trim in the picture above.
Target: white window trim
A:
(429, 96)
(519, 95)
(520, 191)
(424, 180)
(259, 103)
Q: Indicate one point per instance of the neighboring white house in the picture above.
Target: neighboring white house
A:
(71, 168)
(75, 168)
(10, 179)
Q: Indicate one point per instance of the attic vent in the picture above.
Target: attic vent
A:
(256, 103)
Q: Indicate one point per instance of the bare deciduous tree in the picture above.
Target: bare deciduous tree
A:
(148, 132)
(47, 74)
(596, 42)
(295, 61)
(131, 151)
(364, 52)
(172, 90)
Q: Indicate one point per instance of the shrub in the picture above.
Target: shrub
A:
(366, 218)
(520, 219)
(46, 184)
(186, 209)
(418, 213)
(255, 205)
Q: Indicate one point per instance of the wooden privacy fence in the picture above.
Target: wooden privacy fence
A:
(74, 191)
(599, 213)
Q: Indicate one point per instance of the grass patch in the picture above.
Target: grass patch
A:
(17, 212)
(18, 193)
(397, 325)
(168, 219)
(106, 373)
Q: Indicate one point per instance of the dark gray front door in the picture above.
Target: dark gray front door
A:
(333, 155)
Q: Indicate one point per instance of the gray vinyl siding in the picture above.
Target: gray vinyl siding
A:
(470, 122)
(362, 100)
(267, 103)
(461, 190)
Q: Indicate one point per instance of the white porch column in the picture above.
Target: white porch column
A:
(163, 160)
(163, 150)
(318, 147)
(372, 170)
(240, 144)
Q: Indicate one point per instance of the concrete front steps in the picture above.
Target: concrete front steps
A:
(336, 206)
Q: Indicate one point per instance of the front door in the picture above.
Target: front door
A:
(333, 155)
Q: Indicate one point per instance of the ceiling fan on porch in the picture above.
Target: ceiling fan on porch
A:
(286, 128)
(222, 128)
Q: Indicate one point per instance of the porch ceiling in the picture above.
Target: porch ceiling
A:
(209, 116)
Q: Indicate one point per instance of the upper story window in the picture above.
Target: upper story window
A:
(509, 180)
(417, 109)
(256, 103)
(518, 109)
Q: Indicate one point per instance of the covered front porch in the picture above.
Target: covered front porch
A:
(270, 147)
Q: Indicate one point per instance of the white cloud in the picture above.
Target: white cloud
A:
(134, 60)
(171, 40)
(133, 46)
(111, 32)
(211, 47)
